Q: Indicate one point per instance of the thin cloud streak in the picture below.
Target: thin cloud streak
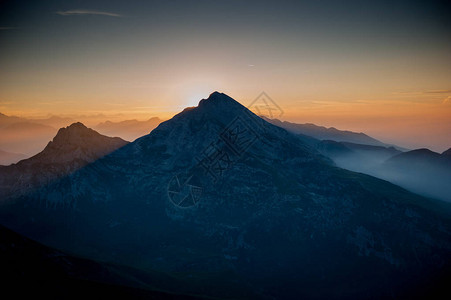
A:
(438, 92)
(79, 12)
(423, 92)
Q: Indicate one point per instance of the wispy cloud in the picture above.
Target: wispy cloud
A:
(438, 92)
(422, 92)
(78, 12)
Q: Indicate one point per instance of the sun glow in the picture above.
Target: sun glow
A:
(194, 95)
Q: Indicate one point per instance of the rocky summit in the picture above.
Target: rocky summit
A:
(233, 206)
(72, 148)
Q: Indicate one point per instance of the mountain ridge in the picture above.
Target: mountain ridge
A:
(330, 133)
(72, 148)
(87, 144)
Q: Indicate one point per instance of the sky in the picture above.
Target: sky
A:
(381, 67)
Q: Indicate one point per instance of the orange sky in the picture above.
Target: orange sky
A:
(381, 68)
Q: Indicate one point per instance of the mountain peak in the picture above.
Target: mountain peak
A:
(217, 95)
(77, 134)
(218, 108)
(216, 98)
(72, 148)
(74, 127)
(74, 133)
(77, 125)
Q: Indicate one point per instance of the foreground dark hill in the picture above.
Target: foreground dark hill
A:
(218, 196)
(71, 149)
(30, 269)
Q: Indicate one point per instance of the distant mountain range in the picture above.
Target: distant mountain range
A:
(324, 133)
(220, 197)
(29, 136)
(51, 121)
(71, 149)
(7, 158)
(422, 171)
(421, 156)
(19, 135)
(129, 130)
(356, 157)
(54, 121)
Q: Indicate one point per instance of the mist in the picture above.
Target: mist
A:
(420, 171)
